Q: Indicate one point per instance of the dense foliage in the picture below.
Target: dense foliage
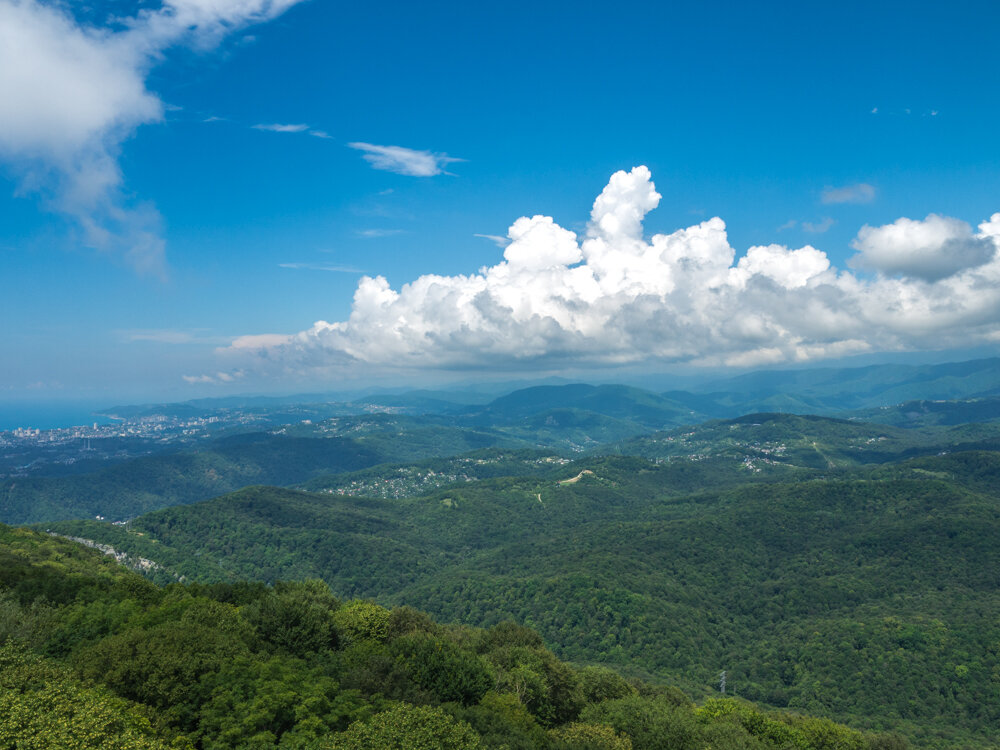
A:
(870, 597)
(830, 566)
(96, 657)
(131, 487)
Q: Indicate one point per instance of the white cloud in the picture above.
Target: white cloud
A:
(791, 269)
(216, 378)
(171, 336)
(321, 267)
(613, 297)
(376, 233)
(818, 227)
(932, 249)
(73, 93)
(279, 128)
(860, 193)
(162, 336)
(495, 239)
(406, 161)
(259, 341)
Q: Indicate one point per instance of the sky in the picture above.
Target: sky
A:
(205, 197)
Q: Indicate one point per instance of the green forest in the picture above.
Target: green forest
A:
(558, 568)
(870, 598)
(95, 656)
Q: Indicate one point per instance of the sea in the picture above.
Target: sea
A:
(50, 414)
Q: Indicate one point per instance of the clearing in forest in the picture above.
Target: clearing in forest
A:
(577, 478)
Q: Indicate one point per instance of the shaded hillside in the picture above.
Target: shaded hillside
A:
(616, 401)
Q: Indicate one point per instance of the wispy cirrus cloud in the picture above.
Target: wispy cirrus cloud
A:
(72, 93)
(217, 378)
(859, 193)
(818, 227)
(278, 127)
(496, 239)
(321, 267)
(405, 161)
(170, 336)
(376, 233)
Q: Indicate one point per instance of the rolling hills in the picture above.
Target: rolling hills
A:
(93, 656)
(870, 597)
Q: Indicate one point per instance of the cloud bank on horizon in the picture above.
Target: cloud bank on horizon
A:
(73, 93)
(613, 297)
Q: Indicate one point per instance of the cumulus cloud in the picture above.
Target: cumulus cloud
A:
(73, 93)
(932, 249)
(860, 193)
(612, 297)
(406, 161)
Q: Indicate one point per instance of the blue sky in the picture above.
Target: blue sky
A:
(182, 178)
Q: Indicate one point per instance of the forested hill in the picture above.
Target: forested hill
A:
(142, 484)
(92, 656)
(870, 596)
(309, 454)
(835, 389)
(132, 487)
(768, 441)
(616, 401)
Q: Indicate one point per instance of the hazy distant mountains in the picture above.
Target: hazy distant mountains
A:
(805, 391)
(567, 419)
